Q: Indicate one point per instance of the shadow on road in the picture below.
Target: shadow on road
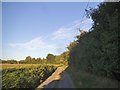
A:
(59, 80)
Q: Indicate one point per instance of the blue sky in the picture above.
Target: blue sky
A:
(36, 29)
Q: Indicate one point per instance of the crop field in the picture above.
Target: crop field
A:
(25, 75)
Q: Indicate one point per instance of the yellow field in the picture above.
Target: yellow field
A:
(15, 65)
(24, 65)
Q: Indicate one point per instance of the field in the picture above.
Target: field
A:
(25, 75)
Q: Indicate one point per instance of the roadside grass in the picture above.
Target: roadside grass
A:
(83, 79)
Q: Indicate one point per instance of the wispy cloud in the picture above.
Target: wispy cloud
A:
(36, 43)
(62, 33)
(88, 20)
(71, 30)
(66, 31)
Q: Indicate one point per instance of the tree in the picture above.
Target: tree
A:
(72, 45)
(28, 58)
(82, 34)
(50, 57)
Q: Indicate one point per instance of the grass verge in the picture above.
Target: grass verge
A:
(84, 79)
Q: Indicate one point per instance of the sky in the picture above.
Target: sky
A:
(38, 28)
(0, 30)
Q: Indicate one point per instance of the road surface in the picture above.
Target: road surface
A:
(59, 79)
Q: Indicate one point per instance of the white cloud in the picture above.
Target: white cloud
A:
(87, 21)
(62, 33)
(66, 32)
(36, 43)
(71, 30)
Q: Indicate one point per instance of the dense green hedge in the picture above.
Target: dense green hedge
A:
(97, 50)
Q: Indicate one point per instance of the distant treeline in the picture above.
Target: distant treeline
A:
(54, 59)
(96, 51)
(8, 61)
